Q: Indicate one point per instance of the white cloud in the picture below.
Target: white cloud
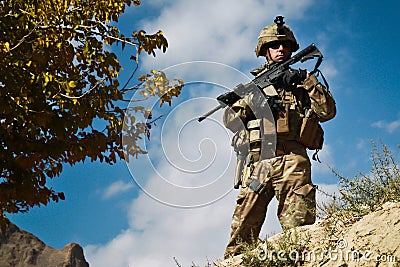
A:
(329, 69)
(390, 127)
(178, 172)
(219, 31)
(326, 191)
(324, 196)
(361, 144)
(159, 232)
(326, 158)
(187, 234)
(117, 188)
(222, 31)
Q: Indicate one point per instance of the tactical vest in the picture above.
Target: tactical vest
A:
(298, 123)
(295, 129)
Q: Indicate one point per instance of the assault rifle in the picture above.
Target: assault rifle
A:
(266, 78)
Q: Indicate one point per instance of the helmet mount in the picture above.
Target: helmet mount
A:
(279, 23)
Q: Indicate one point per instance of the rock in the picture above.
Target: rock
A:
(374, 240)
(19, 248)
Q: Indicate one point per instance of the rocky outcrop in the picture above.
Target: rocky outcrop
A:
(374, 240)
(19, 248)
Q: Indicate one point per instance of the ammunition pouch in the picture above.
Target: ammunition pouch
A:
(254, 129)
(311, 133)
(262, 138)
(282, 123)
(289, 121)
(255, 139)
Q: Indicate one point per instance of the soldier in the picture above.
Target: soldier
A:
(286, 171)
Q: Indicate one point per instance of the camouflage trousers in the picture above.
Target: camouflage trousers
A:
(287, 177)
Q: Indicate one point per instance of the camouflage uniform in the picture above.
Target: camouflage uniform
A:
(286, 172)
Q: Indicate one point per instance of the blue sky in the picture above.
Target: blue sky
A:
(107, 210)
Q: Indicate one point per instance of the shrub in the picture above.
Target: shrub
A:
(364, 193)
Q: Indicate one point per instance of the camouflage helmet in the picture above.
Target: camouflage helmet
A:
(276, 32)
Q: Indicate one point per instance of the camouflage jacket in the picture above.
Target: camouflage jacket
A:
(297, 103)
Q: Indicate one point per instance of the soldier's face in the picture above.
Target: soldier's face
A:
(279, 51)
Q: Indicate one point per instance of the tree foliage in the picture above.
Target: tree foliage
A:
(60, 97)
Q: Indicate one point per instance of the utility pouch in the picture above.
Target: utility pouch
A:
(268, 133)
(268, 127)
(238, 180)
(256, 186)
(240, 143)
(260, 176)
(254, 128)
(282, 123)
(248, 170)
(311, 132)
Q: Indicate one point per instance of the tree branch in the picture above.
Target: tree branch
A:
(78, 97)
(23, 39)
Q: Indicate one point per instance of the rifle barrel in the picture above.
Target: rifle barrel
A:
(211, 112)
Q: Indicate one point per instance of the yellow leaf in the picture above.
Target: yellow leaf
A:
(147, 113)
(7, 47)
(71, 84)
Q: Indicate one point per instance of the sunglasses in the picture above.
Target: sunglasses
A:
(277, 44)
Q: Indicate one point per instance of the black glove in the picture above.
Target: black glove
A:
(292, 77)
(261, 102)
